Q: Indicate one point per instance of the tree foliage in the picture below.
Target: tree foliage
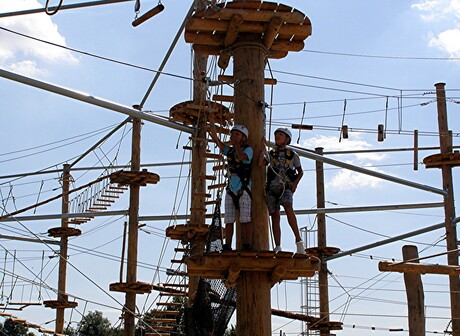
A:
(11, 328)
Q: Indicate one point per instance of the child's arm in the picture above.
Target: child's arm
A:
(295, 183)
(213, 133)
(262, 161)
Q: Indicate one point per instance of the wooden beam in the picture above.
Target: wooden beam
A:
(233, 29)
(410, 267)
(272, 30)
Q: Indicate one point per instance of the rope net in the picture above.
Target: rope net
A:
(213, 304)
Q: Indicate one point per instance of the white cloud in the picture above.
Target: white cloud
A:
(448, 40)
(346, 179)
(443, 16)
(24, 54)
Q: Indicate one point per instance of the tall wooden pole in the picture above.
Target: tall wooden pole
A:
(415, 296)
(133, 230)
(322, 243)
(62, 297)
(445, 140)
(253, 288)
(198, 182)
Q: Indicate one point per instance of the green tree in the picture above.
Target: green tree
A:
(11, 328)
(94, 324)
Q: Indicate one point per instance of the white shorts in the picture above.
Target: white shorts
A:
(245, 208)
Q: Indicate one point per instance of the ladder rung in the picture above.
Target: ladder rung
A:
(218, 167)
(175, 285)
(202, 194)
(181, 249)
(210, 202)
(217, 186)
(224, 98)
(208, 177)
(187, 147)
(177, 261)
(213, 156)
(171, 304)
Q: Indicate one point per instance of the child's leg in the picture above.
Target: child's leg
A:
(292, 220)
(229, 233)
(245, 218)
(276, 227)
(230, 217)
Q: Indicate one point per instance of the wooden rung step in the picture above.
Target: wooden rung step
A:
(166, 312)
(161, 320)
(181, 249)
(180, 261)
(95, 207)
(170, 304)
(217, 186)
(208, 177)
(223, 98)
(198, 139)
(118, 188)
(213, 156)
(172, 294)
(110, 196)
(187, 147)
(101, 199)
(210, 202)
(218, 167)
(175, 285)
(164, 328)
(176, 272)
(202, 194)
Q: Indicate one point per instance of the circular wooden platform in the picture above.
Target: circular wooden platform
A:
(281, 28)
(64, 232)
(141, 178)
(189, 112)
(131, 287)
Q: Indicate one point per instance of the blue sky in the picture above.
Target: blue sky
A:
(366, 63)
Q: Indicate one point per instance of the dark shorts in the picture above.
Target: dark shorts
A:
(277, 197)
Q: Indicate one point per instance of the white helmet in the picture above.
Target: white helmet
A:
(285, 131)
(242, 129)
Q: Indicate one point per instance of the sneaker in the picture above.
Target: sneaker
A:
(300, 247)
(277, 249)
(226, 247)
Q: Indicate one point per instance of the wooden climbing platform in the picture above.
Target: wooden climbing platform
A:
(141, 178)
(186, 232)
(440, 160)
(228, 265)
(137, 287)
(216, 28)
(189, 112)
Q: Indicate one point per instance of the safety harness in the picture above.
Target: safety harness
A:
(243, 171)
(277, 166)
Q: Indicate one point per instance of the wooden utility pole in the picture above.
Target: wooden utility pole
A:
(133, 231)
(253, 288)
(322, 243)
(445, 140)
(63, 254)
(415, 296)
(198, 181)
